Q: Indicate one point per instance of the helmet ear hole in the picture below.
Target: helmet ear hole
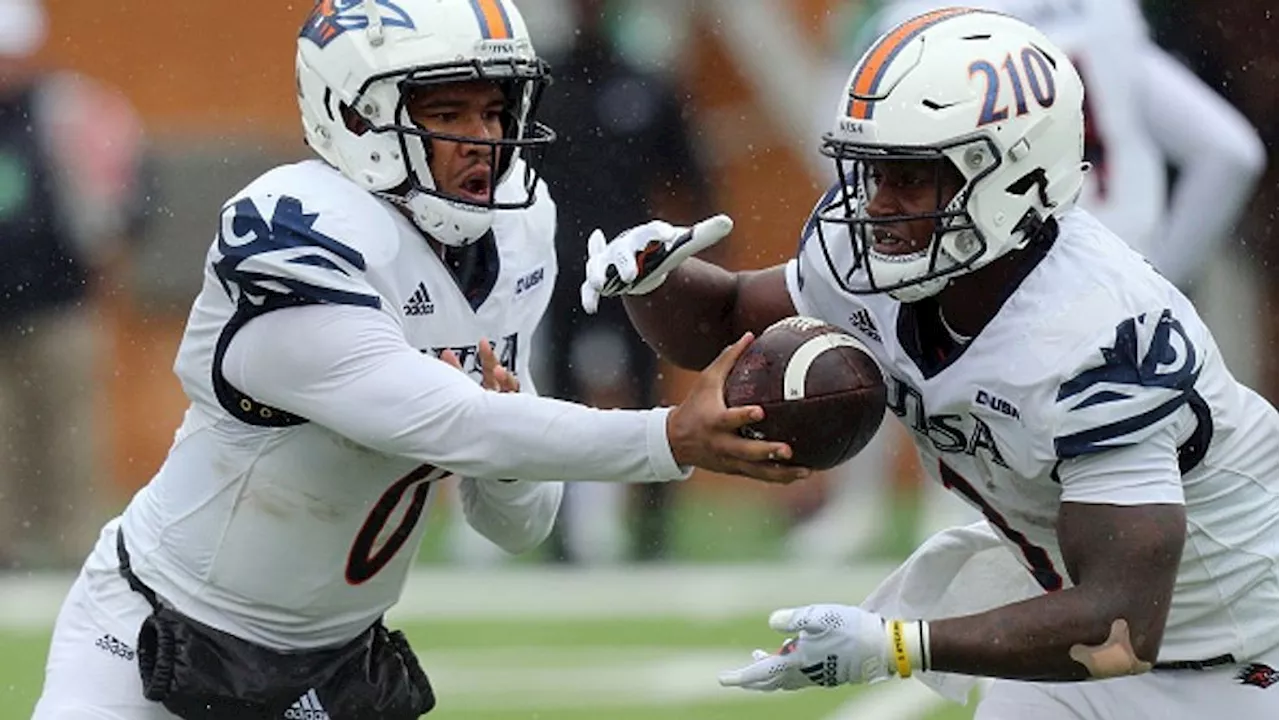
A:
(354, 121)
(1034, 179)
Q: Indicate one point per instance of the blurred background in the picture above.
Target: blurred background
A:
(123, 127)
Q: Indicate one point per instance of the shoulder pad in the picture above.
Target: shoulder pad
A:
(1124, 387)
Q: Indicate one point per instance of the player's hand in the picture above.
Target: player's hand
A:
(494, 376)
(831, 645)
(704, 433)
(637, 261)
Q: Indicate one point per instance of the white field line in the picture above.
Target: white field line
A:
(540, 592)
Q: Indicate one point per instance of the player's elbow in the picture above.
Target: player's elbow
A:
(1253, 159)
(523, 539)
(520, 544)
(1130, 641)
(1251, 155)
(514, 536)
(516, 523)
(1145, 612)
(1241, 151)
(1148, 634)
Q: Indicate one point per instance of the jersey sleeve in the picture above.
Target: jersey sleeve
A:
(1126, 386)
(277, 249)
(1145, 473)
(515, 515)
(350, 370)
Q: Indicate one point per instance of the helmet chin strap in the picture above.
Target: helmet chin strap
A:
(921, 290)
(417, 206)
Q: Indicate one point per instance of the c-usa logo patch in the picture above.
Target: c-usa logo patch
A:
(331, 18)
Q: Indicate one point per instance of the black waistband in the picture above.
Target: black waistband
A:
(126, 571)
(1224, 659)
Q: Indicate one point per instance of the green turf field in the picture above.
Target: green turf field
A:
(610, 669)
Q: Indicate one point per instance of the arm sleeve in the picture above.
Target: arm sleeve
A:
(350, 370)
(1218, 155)
(516, 515)
(1142, 474)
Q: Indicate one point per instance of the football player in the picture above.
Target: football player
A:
(1048, 376)
(357, 310)
(1143, 110)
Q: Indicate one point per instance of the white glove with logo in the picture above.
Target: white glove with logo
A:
(637, 261)
(833, 645)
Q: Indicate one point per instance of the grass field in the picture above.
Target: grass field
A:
(553, 670)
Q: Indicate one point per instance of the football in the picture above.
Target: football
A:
(822, 392)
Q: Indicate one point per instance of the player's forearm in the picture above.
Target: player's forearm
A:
(349, 370)
(514, 435)
(515, 515)
(688, 319)
(1034, 639)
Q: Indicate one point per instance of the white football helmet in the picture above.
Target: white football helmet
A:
(985, 92)
(365, 54)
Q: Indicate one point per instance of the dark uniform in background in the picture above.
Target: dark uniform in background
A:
(625, 156)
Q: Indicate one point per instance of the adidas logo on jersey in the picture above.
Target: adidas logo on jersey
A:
(862, 322)
(419, 303)
(307, 708)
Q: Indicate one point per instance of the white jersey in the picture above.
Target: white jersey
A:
(1142, 111)
(1096, 382)
(290, 507)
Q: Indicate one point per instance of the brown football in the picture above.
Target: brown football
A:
(822, 392)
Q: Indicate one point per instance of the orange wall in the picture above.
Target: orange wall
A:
(189, 66)
(199, 67)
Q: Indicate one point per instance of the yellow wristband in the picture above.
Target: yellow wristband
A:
(898, 643)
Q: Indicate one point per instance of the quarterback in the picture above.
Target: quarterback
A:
(1049, 376)
(362, 331)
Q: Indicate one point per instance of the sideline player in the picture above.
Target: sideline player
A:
(1048, 375)
(342, 296)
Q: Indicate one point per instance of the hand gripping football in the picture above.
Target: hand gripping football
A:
(821, 390)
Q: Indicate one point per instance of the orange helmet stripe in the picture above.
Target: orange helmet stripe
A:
(494, 24)
(882, 53)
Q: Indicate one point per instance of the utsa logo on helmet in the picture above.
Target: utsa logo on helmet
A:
(331, 18)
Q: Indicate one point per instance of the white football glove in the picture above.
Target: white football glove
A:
(637, 261)
(833, 645)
